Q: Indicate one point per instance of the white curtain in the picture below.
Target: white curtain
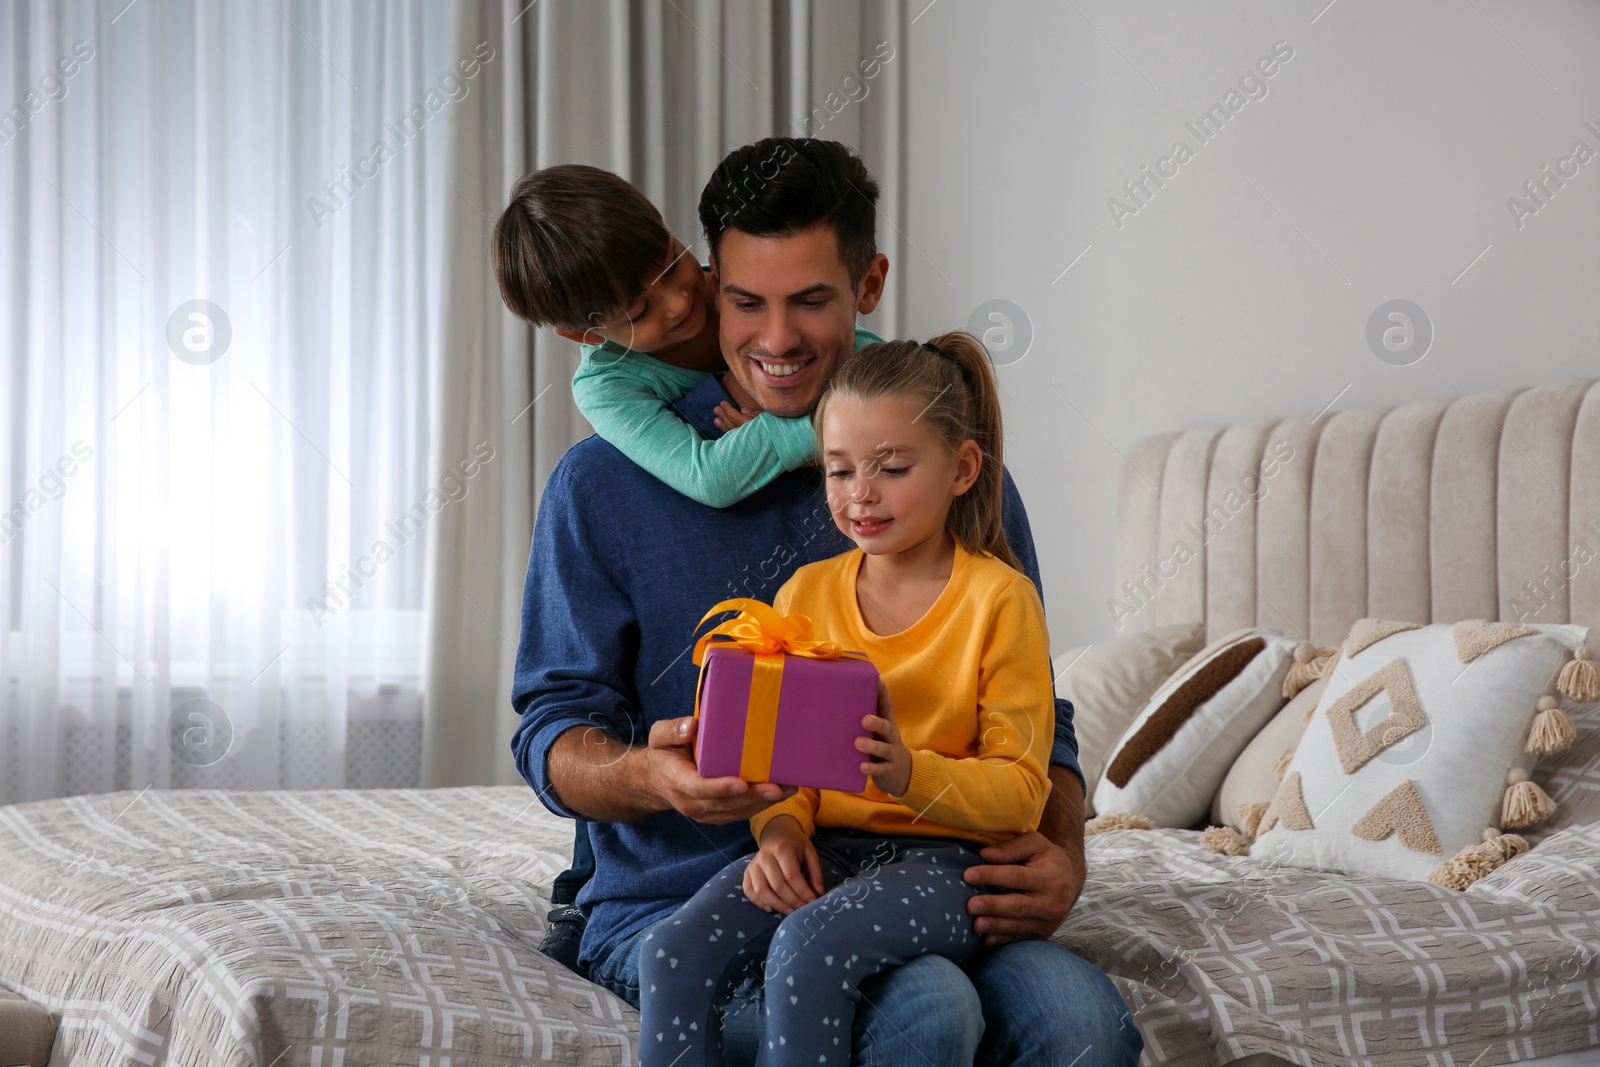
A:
(658, 92)
(220, 241)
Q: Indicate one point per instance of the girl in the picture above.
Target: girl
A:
(845, 885)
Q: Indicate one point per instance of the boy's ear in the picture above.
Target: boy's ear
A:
(570, 334)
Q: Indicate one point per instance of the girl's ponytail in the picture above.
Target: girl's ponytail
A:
(952, 375)
(975, 516)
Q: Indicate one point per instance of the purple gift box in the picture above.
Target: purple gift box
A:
(821, 703)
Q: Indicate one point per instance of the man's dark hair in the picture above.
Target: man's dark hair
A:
(783, 185)
(576, 245)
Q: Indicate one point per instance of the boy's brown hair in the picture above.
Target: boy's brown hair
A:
(576, 245)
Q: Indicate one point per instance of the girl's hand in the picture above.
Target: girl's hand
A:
(786, 873)
(890, 768)
(729, 417)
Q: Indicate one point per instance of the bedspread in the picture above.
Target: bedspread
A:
(400, 927)
(201, 927)
(1220, 956)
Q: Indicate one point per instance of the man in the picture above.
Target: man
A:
(621, 569)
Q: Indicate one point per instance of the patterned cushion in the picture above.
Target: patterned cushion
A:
(1110, 681)
(1414, 743)
(1173, 756)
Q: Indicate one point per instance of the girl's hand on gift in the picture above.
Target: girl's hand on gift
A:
(785, 873)
(890, 767)
(729, 417)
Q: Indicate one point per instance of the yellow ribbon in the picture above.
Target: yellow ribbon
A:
(760, 630)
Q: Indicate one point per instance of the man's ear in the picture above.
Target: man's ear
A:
(870, 290)
(969, 461)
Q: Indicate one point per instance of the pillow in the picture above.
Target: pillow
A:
(1253, 778)
(1109, 682)
(1170, 760)
(1420, 750)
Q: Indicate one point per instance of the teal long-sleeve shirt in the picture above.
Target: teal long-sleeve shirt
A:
(627, 397)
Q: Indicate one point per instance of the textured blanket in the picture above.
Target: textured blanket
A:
(400, 927)
(339, 927)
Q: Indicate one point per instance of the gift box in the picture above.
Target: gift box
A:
(774, 705)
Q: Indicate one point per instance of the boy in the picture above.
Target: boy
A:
(582, 251)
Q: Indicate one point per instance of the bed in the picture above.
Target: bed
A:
(400, 927)
(194, 927)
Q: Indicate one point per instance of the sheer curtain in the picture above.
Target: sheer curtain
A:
(221, 234)
(659, 93)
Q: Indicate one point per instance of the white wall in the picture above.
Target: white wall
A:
(1387, 147)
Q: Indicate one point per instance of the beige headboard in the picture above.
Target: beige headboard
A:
(1466, 507)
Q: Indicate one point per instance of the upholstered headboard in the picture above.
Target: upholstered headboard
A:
(1468, 507)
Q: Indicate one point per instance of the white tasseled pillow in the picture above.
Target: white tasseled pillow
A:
(1415, 764)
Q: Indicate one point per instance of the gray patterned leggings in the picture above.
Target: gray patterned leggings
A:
(886, 900)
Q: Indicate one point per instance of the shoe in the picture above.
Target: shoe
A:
(561, 939)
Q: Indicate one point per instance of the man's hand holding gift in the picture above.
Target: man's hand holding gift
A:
(676, 779)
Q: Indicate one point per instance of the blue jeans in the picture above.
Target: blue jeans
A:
(1027, 1004)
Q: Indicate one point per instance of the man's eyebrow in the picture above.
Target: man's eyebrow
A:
(821, 288)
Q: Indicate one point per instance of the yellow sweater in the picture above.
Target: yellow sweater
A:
(972, 692)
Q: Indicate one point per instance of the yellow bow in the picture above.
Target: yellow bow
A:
(759, 629)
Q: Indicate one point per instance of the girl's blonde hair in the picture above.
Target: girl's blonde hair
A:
(952, 379)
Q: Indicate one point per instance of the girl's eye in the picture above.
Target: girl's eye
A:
(894, 472)
(847, 472)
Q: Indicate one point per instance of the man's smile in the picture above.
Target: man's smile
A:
(781, 374)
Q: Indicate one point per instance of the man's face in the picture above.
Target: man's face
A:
(788, 313)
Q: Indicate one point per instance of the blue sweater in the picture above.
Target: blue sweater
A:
(621, 570)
